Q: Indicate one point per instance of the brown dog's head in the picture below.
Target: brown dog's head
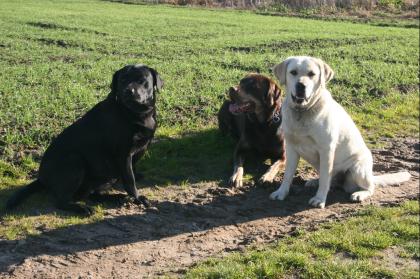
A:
(256, 94)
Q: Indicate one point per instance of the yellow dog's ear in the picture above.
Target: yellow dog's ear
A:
(280, 70)
(326, 72)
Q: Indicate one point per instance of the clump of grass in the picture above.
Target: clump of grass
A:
(16, 226)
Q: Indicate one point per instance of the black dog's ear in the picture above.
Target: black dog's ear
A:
(157, 80)
(114, 84)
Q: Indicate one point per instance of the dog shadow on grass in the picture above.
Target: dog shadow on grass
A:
(195, 158)
(191, 158)
(185, 159)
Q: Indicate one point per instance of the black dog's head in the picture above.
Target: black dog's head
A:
(135, 87)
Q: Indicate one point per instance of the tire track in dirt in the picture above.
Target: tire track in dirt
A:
(190, 225)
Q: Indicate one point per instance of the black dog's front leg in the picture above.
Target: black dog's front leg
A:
(138, 175)
(129, 181)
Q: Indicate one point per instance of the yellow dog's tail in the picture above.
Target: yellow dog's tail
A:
(392, 178)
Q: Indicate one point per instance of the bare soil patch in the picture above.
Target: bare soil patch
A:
(191, 224)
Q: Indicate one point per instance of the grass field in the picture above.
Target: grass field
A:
(57, 59)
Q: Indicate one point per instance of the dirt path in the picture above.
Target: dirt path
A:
(190, 225)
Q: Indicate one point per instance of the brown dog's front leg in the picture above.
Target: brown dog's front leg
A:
(236, 180)
(129, 182)
(271, 173)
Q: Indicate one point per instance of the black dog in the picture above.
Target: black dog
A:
(252, 117)
(101, 146)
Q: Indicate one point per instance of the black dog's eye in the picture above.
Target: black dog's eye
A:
(294, 72)
(311, 74)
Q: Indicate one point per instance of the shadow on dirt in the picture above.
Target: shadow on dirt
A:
(197, 212)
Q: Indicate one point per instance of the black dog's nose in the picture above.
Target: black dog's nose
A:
(232, 93)
(300, 90)
(131, 90)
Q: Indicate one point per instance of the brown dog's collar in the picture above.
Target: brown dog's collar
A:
(276, 116)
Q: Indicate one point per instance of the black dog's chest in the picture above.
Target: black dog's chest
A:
(139, 131)
(140, 142)
(145, 131)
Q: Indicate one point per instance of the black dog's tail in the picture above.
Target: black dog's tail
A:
(23, 193)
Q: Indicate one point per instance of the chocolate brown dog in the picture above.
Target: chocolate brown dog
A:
(252, 117)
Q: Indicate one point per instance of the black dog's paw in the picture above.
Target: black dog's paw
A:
(142, 200)
(79, 209)
(118, 199)
(88, 211)
(84, 210)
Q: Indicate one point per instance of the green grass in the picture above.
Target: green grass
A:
(364, 246)
(57, 59)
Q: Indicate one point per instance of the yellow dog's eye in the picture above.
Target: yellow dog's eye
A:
(294, 72)
(311, 74)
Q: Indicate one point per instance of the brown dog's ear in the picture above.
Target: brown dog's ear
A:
(273, 94)
(280, 70)
(157, 80)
